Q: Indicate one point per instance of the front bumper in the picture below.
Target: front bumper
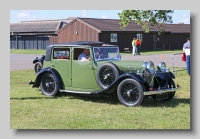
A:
(155, 92)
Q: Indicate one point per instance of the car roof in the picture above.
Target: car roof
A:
(79, 43)
(73, 44)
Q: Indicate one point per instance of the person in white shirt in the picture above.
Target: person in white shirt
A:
(85, 56)
(186, 50)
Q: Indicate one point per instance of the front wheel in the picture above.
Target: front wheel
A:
(130, 92)
(170, 95)
(48, 85)
(171, 84)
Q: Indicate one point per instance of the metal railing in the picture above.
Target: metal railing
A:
(173, 63)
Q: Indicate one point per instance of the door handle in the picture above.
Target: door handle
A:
(91, 67)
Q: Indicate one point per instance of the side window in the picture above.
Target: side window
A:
(77, 52)
(113, 37)
(61, 53)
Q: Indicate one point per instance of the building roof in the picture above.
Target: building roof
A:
(39, 25)
(98, 24)
(113, 25)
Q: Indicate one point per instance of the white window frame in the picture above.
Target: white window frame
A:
(139, 36)
(113, 37)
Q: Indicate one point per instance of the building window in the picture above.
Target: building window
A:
(139, 36)
(113, 37)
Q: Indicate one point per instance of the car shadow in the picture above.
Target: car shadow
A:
(113, 100)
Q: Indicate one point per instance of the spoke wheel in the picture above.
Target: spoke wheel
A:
(170, 94)
(48, 85)
(130, 92)
(106, 75)
(37, 67)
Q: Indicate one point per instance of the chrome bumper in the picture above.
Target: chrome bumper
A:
(154, 92)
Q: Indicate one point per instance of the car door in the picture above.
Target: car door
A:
(61, 61)
(83, 75)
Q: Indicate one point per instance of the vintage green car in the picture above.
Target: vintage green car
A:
(103, 73)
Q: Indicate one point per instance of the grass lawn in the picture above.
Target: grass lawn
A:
(29, 109)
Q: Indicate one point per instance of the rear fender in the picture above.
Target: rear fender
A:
(48, 70)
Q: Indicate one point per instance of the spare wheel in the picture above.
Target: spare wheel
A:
(106, 74)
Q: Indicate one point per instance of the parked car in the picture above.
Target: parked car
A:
(38, 63)
(132, 81)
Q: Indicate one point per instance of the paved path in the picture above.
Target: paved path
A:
(167, 58)
(22, 61)
(25, 61)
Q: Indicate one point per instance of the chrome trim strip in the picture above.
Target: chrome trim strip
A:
(68, 91)
(161, 91)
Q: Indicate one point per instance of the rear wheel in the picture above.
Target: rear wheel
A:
(37, 67)
(48, 85)
(130, 92)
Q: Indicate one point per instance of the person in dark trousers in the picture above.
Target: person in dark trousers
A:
(186, 50)
(138, 46)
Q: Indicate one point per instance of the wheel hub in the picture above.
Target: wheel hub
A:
(106, 76)
(129, 92)
(47, 84)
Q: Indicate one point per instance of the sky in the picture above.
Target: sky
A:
(27, 15)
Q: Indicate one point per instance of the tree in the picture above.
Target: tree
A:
(146, 18)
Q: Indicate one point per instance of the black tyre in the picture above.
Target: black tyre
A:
(48, 85)
(130, 92)
(170, 94)
(106, 75)
(37, 67)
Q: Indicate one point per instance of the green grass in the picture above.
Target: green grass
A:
(22, 51)
(25, 51)
(154, 52)
(29, 109)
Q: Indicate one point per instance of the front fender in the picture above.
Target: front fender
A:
(163, 75)
(113, 87)
(47, 70)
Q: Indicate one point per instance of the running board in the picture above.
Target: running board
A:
(68, 91)
(154, 92)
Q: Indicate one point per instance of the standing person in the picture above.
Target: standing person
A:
(186, 50)
(138, 46)
(134, 45)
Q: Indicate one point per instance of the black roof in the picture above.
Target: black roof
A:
(39, 26)
(78, 43)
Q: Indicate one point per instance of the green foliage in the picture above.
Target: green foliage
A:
(146, 18)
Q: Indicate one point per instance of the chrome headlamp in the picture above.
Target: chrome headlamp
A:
(150, 66)
(162, 66)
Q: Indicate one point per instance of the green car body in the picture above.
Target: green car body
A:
(106, 73)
